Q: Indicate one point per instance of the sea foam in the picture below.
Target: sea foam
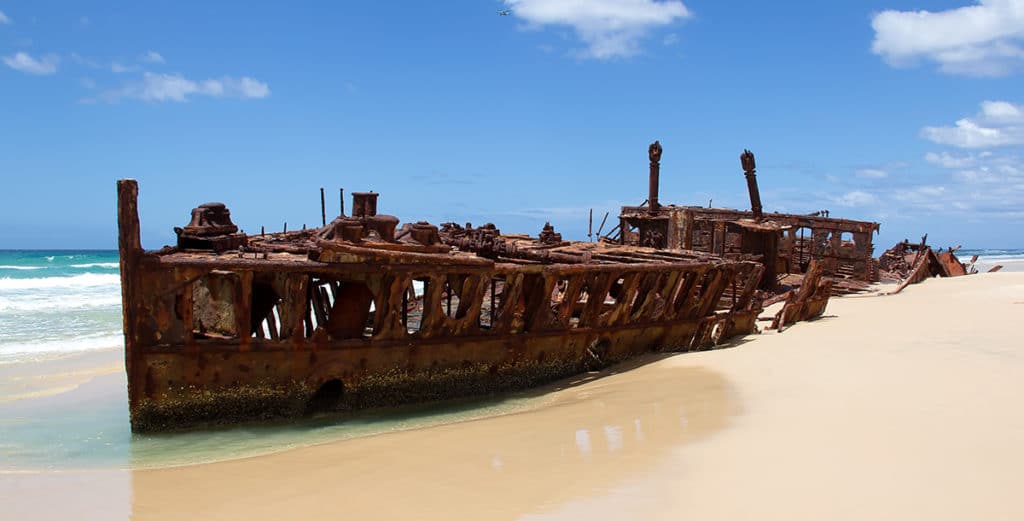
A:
(16, 351)
(76, 281)
(51, 302)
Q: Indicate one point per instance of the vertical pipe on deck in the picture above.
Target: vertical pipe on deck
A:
(323, 208)
(590, 226)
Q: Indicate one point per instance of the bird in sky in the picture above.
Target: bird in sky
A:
(504, 12)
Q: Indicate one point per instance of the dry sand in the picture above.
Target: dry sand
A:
(900, 407)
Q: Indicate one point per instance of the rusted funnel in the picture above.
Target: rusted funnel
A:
(654, 152)
(747, 160)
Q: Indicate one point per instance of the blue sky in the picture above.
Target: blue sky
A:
(908, 113)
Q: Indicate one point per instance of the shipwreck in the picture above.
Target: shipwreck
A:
(359, 313)
(362, 313)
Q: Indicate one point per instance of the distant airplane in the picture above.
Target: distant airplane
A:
(504, 12)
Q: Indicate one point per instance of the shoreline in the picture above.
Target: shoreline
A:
(865, 413)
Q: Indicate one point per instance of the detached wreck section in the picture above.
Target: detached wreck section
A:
(912, 263)
(361, 313)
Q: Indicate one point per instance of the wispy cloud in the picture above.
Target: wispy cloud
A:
(855, 198)
(152, 57)
(156, 87)
(983, 39)
(83, 61)
(871, 173)
(981, 184)
(23, 62)
(999, 123)
(118, 68)
(4, 20)
(947, 160)
(608, 28)
(557, 213)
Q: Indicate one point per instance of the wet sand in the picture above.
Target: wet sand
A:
(20, 381)
(900, 407)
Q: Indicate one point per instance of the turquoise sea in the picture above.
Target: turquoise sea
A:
(60, 315)
(57, 302)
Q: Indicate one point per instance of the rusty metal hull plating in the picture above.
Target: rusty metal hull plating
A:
(292, 323)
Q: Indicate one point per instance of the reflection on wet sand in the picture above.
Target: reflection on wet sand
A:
(588, 438)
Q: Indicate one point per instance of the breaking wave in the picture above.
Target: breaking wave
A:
(54, 303)
(76, 281)
(105, 340)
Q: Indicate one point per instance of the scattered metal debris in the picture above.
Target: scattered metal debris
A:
(806, 302)
(912, 263)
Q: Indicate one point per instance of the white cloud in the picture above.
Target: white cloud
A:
(4, 19)
(152, 57)
(872, 173)
(999, 123)
(855, 198)
(982, 174)
(23, 62)
(947, 160)
(929, 197)
(983, 39)
(117, 68)
(609, 28)
(175, 87)
(250, 88)
(1002, 112)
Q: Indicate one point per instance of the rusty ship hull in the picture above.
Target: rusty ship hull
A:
(226, 327)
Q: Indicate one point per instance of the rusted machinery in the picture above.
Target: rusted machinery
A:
(784, 243)
(806, 258)
(360, 313)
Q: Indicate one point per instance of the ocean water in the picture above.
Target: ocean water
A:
(60, 307)
(1011, 259)
(53, 303)
(88, 428)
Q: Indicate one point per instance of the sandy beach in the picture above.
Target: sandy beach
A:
(897, 407)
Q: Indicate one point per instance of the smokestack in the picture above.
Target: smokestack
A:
(747, 160)
(654, 152)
